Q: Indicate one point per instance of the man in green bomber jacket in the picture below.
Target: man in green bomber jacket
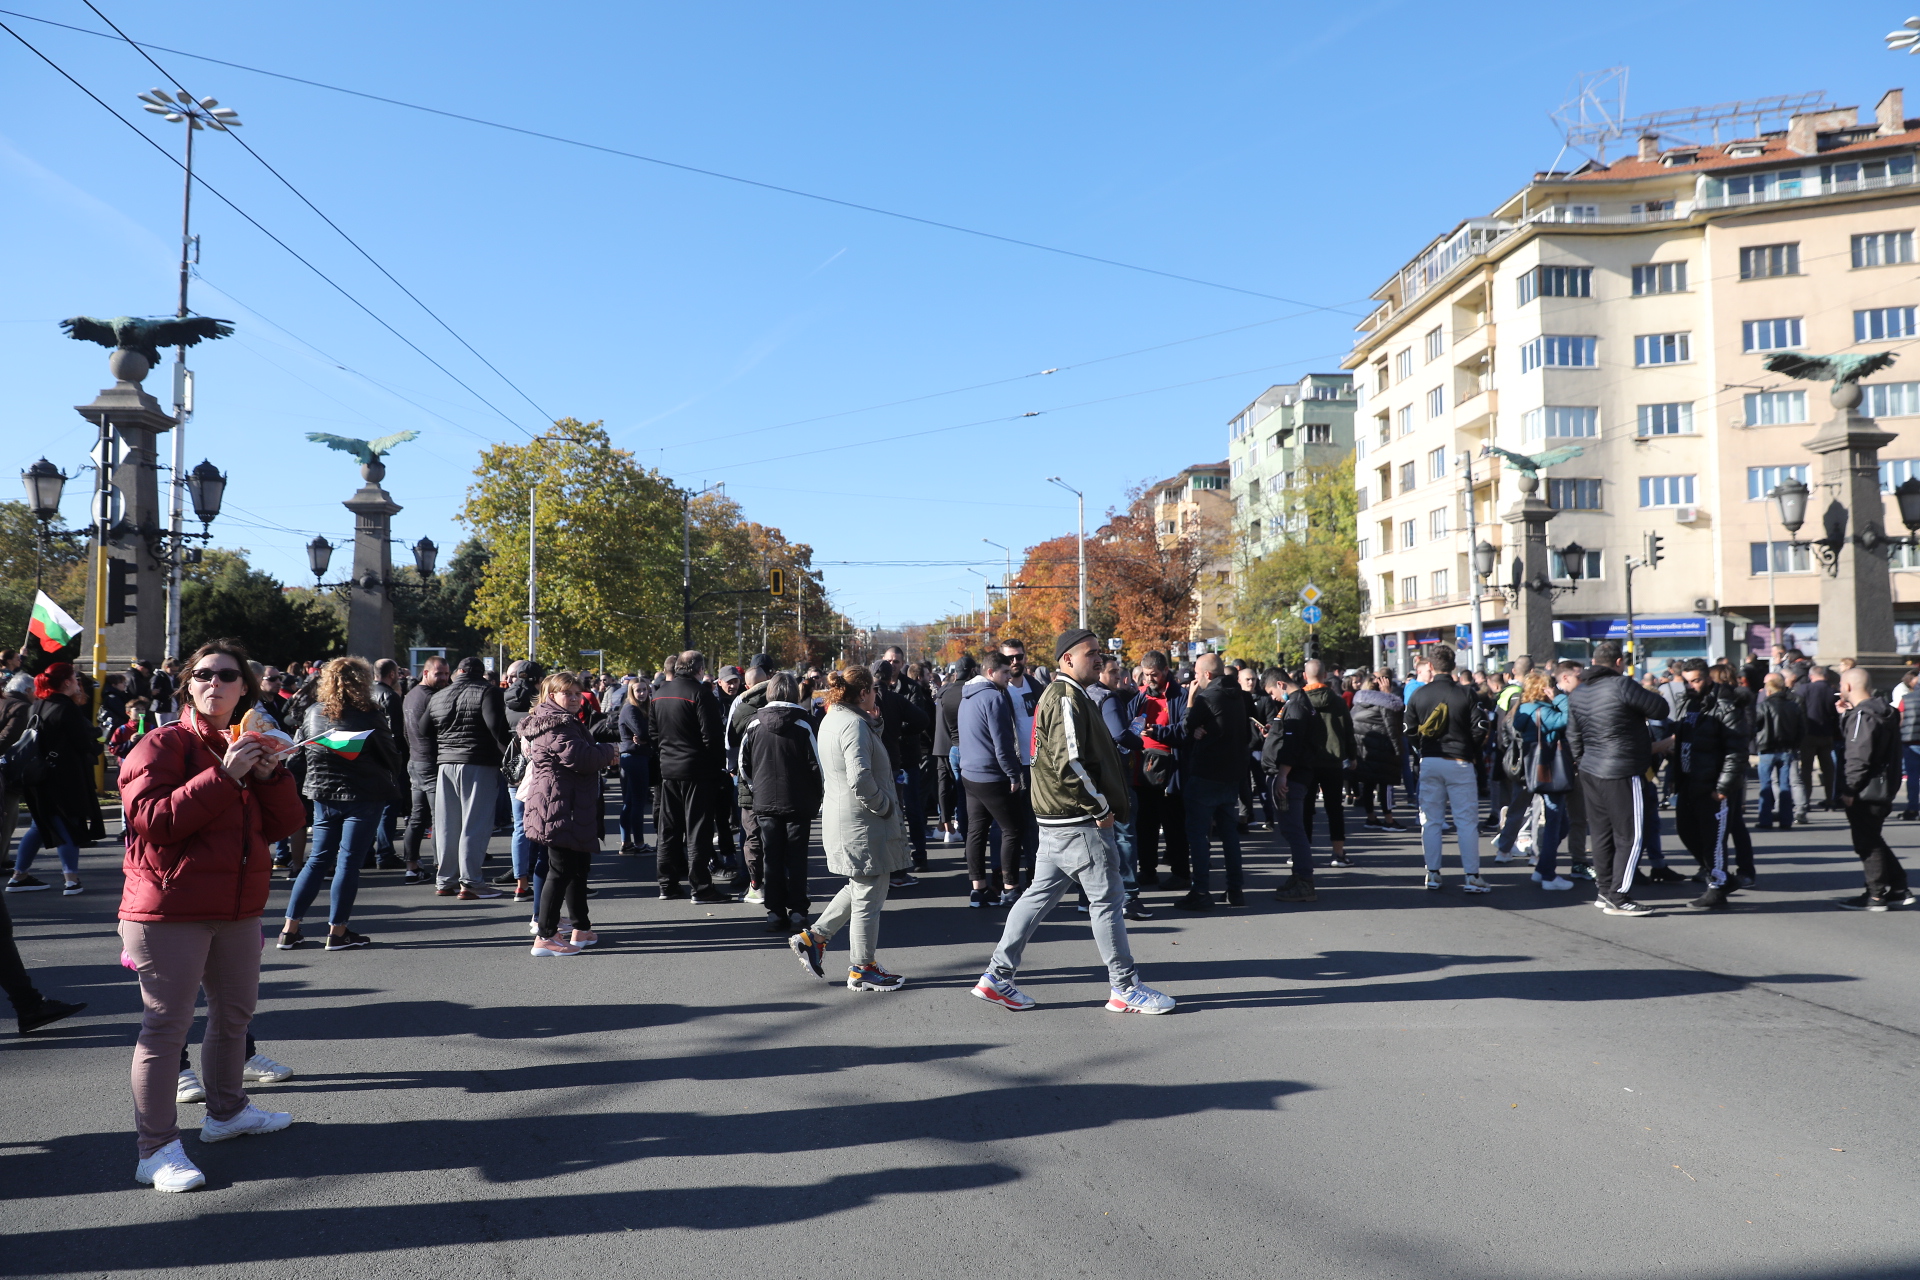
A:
(1079, 789)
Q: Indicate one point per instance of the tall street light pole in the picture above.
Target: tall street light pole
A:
(207, 113)
(686, 561)
(1081, 499)
(1008, 580)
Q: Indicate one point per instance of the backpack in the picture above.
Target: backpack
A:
(25, 763)
(513, 762)
(1512, 748)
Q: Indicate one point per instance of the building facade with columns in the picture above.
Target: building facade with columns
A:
(1626, 310)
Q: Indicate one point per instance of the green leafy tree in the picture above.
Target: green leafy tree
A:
(225, 596)
(1321, 548)
(438, 615)
(61, 565)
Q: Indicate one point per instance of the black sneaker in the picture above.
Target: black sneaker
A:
(1580, 871)
(672, 891)
(1149, 880)
(1342, 863)
(1136, 909)
(777, 923)
(709, 894)
(346, 941)
(1869, 902)
(1663, 875)
(505, 877)
(523, 895)
(1747, 879)
(629, 848)
(1236, 898)
(1714, 899)
(1624, 906)
(25, 884)
(49, 1011)
(1296, 889)
(981, 898)
(902, 880)
(1195, 901)
(418, 877)
(1176, 884)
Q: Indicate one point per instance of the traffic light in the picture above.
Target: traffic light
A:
(123, 590)
(777, 582)
(1654, 543)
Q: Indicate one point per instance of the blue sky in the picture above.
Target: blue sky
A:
(1285, 150)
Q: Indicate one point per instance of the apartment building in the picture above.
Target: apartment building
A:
(1195, 503)
(1273, 444)
(1626, 309)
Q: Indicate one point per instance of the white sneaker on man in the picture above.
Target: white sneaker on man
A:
(1475, 884)
(189, 1088)
(250, 1120)
(265, 1070)
(168, 1169)
(1558, 882)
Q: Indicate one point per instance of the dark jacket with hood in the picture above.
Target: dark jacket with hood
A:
(1377, 733)
(375, 776)
(1608, 733)
(780, 762)
(1219, 754)
(1870, 745)
(563, 778)
(1713, 749)
(422, 748)
(469, 722)
(687, 731)
(1316, 729)
(905, 730)
(739, 716)
(393, 710)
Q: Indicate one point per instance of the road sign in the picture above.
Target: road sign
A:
(108, 505)
(1311, 594)
(777, 583)
(108, 451)
(1311, 615)
(1116, 644)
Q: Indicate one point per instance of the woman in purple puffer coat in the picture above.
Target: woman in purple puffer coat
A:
(562, 808)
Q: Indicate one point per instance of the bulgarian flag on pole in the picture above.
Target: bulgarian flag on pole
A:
(52, 635)
(347, 744)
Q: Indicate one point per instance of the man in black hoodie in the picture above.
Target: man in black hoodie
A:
(691, 741)
(1308, 749)
(1870, 778)
(1218, 735)
(1613, 751)
(1713, 767)
(469, 726)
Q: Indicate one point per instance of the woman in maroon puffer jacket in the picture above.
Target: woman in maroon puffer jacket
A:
(202, 812)
(561, 799)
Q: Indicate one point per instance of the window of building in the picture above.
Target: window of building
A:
(1653, 211)
(1406, 533)
(1662, 348)
(1366, 548)
(1212, 481)
(1762, 261)
(1761, 481)
(1779, 557)
(1383, 425)
(1883, 249)
(1360, 500)
(1403, 365)
(1659, 277)
(1409, 589)
(1253, 489)
(1319, 433)
(1239, 464)
(1326, 391)
(1666, 491)
(1574, 495)
(1436, 402)
(1559, 351)
(1675, 419)
(1891, 399)
(1437, 523)
(1441, 586)
(1896, 471)
(1557, 565)
(1770, 335)
(1561, 420)
(1409, 476)
(1436, 345)
(1437, 464)
(1771, 408)
(1359, 448)
(1881, 323)
(1380, 380)
(1406, 419)
(1556, 282)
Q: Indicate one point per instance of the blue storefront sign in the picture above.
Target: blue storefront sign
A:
(1616, 628)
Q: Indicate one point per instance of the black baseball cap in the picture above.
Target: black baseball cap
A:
(1070, 638)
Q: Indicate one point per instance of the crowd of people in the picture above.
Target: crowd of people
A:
(1088, 778)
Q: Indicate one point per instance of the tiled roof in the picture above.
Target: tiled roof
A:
(1714, 157)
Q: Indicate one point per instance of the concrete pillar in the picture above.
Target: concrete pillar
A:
(141, 422)
(1856, 602)
(369, 603)
(1530, 620)
(1379, 653)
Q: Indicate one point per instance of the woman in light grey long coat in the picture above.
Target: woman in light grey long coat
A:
(863, 829)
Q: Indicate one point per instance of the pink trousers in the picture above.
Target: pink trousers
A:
(175, 961)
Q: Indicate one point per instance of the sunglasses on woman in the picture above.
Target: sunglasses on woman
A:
(225, 675)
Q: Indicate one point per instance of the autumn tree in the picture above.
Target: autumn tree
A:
(1321, 547)
(1148, 578)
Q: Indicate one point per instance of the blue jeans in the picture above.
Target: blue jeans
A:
(343, 831)
(1443, 781)
(1293, 822)
(523, 848)
(1552, 829)
(1209, 805)
(1777, 781)
(34, 840)
(636, 775)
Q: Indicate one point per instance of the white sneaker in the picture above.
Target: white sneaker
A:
(1433, 880)
(546, 948)
(189, 1089)
(168, 1169)
(264, 1069)
(1476, 884)
(1505, 855)
(250, 1120)
(755, 895)
(1536, 877)
(1558, 882)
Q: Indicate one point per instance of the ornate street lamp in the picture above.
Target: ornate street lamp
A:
(424, 555)
(206, 486)
(319, 555)
(44, 482)
(1574, 557)
(1791, 497)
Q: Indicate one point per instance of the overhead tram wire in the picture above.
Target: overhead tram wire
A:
(688, 168)
(255, 223)
(329, 221)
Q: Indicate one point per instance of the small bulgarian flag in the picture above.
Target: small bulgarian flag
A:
(52, 636)
(349, 745)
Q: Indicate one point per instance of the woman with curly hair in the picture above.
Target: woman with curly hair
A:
(861, 826)
(354, 772)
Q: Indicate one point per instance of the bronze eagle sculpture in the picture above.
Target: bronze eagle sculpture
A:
(368, 451)
(1842, 369)
(146, 335)
(1538, 462)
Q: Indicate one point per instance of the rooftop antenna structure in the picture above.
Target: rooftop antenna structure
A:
(1596, 114)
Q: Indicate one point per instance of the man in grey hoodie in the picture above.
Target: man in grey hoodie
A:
(995, 782)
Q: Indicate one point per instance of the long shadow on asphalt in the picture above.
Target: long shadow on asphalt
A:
(429, 1018)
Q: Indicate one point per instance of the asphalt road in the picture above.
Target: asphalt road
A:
(1389, 1083)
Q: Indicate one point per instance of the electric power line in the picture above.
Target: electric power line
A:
(255, 223)
(688, 168)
